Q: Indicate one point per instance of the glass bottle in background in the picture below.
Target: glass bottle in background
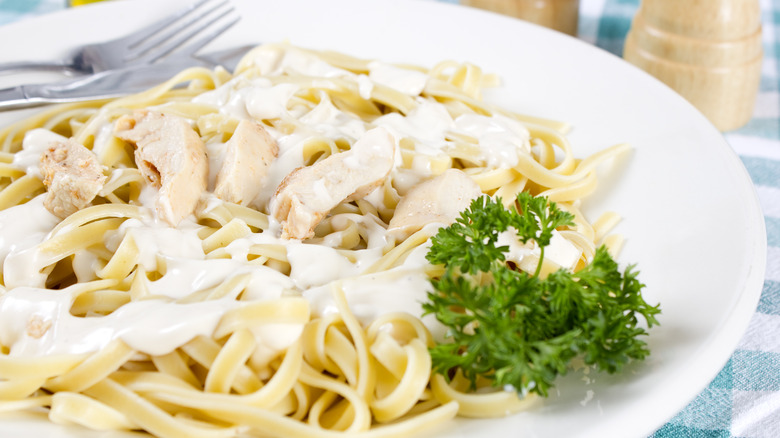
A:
(561, 15)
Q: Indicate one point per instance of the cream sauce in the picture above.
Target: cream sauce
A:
(17, 235)
(500, 138)
(560, 252)
(150, 326)
(400, 79)
(35, 143)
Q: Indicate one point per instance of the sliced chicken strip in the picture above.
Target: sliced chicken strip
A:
(72, 175)
(171, 155)
(307, 194)
(248, 154)
(437, 200)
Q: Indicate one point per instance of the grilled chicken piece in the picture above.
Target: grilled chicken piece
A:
(307, 194)
(248, 154)
(437, 200)
(172, 157)
(72, 175)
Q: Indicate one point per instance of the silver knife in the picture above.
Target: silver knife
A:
(114, 83)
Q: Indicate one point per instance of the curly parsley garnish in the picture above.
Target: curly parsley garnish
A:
(515, 328)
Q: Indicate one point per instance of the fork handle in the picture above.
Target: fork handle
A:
(9, 67)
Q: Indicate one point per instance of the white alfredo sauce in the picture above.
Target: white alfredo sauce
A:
(560, 253)
(500, 138)
(35, 143)
(400, 79)
(24, 226)
(35, 321)
(150, 326)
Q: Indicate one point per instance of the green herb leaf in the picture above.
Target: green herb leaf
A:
(470, 243)
(515, 328)
(535, 221)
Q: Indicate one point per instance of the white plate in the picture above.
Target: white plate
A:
(692, 218)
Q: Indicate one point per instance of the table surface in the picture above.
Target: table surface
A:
(744, 399)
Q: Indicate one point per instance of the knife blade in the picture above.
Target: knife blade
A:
(114, 83)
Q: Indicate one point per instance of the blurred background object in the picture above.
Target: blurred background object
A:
(709, 51)
(81, 2)
(561, 15)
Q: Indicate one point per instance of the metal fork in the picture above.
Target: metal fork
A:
(173, 34)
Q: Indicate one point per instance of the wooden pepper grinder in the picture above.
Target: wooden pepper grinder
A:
(709, 51)
(561, 15)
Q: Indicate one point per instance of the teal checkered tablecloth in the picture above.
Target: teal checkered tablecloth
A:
(743, 401)
(13, 10)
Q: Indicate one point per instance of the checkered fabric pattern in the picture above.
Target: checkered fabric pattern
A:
(14, 10)
(743, 401)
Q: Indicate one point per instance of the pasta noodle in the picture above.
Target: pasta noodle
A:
(224, 321)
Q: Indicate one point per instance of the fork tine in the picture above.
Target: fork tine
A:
(153, 29)
(153, 54)
(193, 47)
(202, 10)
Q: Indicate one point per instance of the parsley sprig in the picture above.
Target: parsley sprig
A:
(518, 329)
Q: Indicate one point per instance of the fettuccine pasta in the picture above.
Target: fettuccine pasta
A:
(245, 253)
